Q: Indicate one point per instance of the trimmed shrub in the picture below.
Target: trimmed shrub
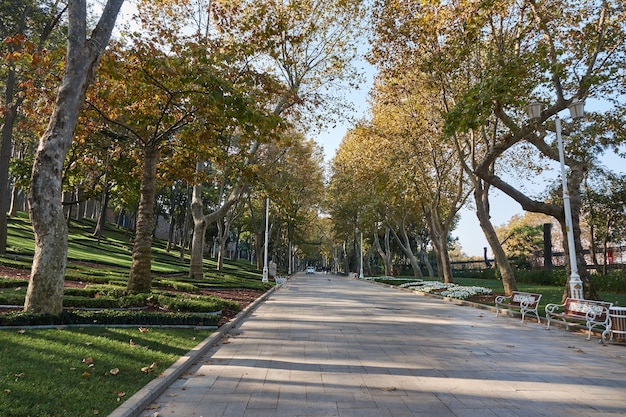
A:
(109, 317)
(12, 283)
(196, 304)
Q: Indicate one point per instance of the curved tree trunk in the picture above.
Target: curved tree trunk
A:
(385, 254)
(201, 222)
(140, 279)
(196, 270)
(45, 288)
(481, 198)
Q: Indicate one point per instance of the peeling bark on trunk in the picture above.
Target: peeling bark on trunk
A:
(45, 288)
(140, 277)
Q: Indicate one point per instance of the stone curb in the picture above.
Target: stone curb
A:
(150, 392)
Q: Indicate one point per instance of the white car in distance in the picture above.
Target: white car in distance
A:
(310, 269)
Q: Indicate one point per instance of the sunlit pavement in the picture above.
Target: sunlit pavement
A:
(324, 345)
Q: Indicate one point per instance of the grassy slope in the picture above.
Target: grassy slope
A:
(67, 373)
(115, 251)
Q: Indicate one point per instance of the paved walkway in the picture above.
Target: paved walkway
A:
(325, 345)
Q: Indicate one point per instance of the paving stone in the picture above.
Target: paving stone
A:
(324, 345)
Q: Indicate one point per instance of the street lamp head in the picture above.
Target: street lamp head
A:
(577, 109)
(534, 110)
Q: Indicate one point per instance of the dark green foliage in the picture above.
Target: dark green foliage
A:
(193, 303)
(110, 317)
(613, 282)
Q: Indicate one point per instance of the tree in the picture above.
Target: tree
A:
(25, 27)
(519, 52)
(604, 209)
(45, 288)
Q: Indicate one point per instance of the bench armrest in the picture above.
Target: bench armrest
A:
(594, 315)
(501, 298)
(553, 308)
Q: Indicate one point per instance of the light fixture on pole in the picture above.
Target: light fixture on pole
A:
(267, 222)
(576, 109)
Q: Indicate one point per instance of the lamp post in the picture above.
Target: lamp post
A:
(267, 222)
(360, 254)
(576, 109)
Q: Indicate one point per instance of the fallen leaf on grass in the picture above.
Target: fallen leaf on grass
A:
(96, 412)
(86, 374)
(144, 330)
(88, 360)
(148, 369)
(114, 371)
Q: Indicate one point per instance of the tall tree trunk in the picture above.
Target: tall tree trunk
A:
(222, 236)
(481, 198)
(384, 254)
(103, 212)
(201, 222)
(439, 239)
(196, 271)
(405, 244)
(6, 149)
(45, 288)
(140, 278)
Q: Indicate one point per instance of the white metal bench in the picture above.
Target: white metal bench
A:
(590, 312)
(280, 280)
(525, 302)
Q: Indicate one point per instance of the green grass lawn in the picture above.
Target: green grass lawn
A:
(83, 372)
(91, 371)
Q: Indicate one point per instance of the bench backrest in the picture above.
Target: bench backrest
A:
(580, 308)
(529, 299)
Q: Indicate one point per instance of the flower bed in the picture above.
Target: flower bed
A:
(446, 290)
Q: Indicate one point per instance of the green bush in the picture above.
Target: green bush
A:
(613, 282)
(177, 285)
(109, 317)
(107, 290)
(88, 292)
(83, 302)
(12, 298)
(557, 277)
(196, 304)
(12, 283)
